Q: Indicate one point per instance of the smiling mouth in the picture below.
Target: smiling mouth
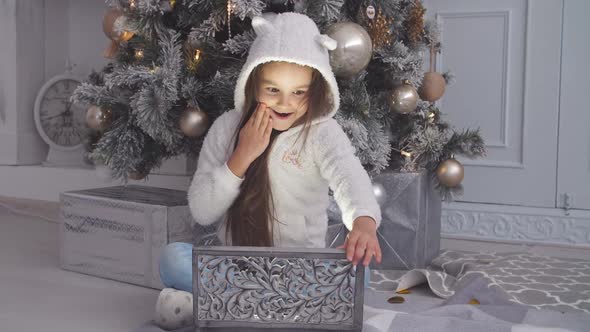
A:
(282, 115)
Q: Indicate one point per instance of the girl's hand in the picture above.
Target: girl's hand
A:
(362, 241)
(255, 135)
(253, 139)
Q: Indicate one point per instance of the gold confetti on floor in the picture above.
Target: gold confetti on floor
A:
(396, 299)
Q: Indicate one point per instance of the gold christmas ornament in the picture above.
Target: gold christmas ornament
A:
(404, 98)
(379, 30)
(450, 172)
(111, 19)
(98, 118)
(415, 23)
(433, 86)
(193, 122)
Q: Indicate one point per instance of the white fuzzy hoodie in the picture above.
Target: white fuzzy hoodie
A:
(299, 176)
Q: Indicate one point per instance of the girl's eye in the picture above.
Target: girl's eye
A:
(300, 92)
(272, 90)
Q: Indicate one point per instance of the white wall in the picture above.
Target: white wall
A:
(85, 36)
(22, 73)
(74, 29)
(38, 36)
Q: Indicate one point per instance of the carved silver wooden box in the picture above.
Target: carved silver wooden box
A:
(281, 289)
(118, 232)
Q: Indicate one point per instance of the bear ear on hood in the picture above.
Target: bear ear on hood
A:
(327, 42)
(261, 25)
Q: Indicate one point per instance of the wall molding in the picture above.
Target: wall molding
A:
(505, 16)
(515, 224)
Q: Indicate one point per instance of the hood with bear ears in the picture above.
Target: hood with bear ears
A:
(289, 37)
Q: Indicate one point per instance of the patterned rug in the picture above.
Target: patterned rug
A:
(538, 281)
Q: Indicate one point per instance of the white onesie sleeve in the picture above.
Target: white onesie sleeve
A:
(214, 187)
(353, 191)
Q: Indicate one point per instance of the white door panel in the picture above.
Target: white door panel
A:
(574, 113)
(506, 58)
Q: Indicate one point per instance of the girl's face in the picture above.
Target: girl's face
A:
(283, 88)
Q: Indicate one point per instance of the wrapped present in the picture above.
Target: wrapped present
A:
(409, 235)
(118, 232)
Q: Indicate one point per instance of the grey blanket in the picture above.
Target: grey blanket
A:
(420, 312)
(516, 292)
(423, 311)
(536, 281)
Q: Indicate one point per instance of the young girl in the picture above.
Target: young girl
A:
(265, 168)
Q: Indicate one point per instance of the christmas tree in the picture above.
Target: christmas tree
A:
(175, 63)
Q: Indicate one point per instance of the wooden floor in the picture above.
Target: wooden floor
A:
(36, 295)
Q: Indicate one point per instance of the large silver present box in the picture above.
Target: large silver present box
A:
(118, 232)
(409, 235)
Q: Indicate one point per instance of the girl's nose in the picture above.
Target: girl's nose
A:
(282, 100)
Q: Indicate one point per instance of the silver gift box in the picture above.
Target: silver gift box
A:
(409, 235)
(117, 232)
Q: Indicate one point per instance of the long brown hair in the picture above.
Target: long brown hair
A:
(250, 219)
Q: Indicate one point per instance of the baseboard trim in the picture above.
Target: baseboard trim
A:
(514, 224)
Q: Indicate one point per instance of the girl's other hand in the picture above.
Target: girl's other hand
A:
(362, 242)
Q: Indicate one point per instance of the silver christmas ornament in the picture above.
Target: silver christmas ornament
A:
(379, 192)
(404, 98)
(98, 118)
(194, 122)
(354, 50)
(450, 172)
